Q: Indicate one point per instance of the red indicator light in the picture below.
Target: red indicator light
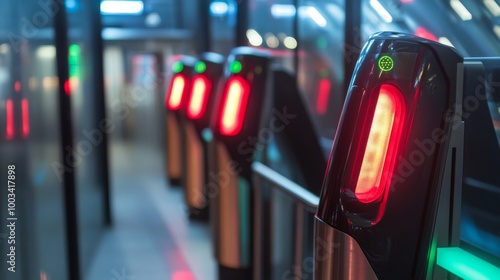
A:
(67, 87)
(382, 145)
(17, 86)
(323, 95)
(199, 97)
(426, 34)
(176, 92)
(26, 117)
(234, 106)
(9, 132)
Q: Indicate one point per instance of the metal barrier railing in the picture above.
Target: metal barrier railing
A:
(284, 229)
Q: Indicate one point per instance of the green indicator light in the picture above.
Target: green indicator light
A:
(74, 61)
(465, 265)
(235, 67)
(200, 67)
(385, 63)
(74, 50)
(177, 67)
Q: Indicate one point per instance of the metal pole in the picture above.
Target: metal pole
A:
(352, 39)
(204, 30)
(241, 23)
(66, 124)
(99, 98)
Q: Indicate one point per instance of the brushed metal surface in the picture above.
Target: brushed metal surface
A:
(228, 233)
(194, 169)
(338, 256)
(174, 151)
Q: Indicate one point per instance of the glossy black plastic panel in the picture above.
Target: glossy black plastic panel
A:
(256, 71)
(395, 232)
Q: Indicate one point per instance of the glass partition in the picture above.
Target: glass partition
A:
(90, 128)
(321, 61)
(30, 144)
(223, 25)
(271, 27)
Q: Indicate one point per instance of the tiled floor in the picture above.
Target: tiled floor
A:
(152, 237)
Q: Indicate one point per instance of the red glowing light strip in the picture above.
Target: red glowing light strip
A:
(9, 133)
(199, 97)
(26, 117)
(323, 96)
(176, 92)
(234, 106)
(382, 145)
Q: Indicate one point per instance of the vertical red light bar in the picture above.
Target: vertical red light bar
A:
(382, 145)
(17, 86)
(26, 117)
(234, 106)
(323, 95)
(176, 92)
(67, 87)
(9, 133)
(199, 97)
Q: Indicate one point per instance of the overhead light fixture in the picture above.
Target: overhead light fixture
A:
(383, 13)
(46, 52)
(4, 48)
(314, 14)
(254, 37)
(461, 10)
(218, 8)
(496, 29)
(272, 41)
(282, 10)
(493, 7)
(290, 43)
(112, 7)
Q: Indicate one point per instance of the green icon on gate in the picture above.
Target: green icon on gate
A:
(177, 67)
(385, 63)
(200, 67)
(235, 67)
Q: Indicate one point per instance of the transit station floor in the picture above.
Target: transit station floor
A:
(152, 237)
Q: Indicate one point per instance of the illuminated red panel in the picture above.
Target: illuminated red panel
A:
(67, 87)
(323, 95)
(382, 145)
(176, 92)
(17, 86)
(199, 97)
(9, 131)
(234, 106)
(182, 275)
(26, 117)
(424, 33)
